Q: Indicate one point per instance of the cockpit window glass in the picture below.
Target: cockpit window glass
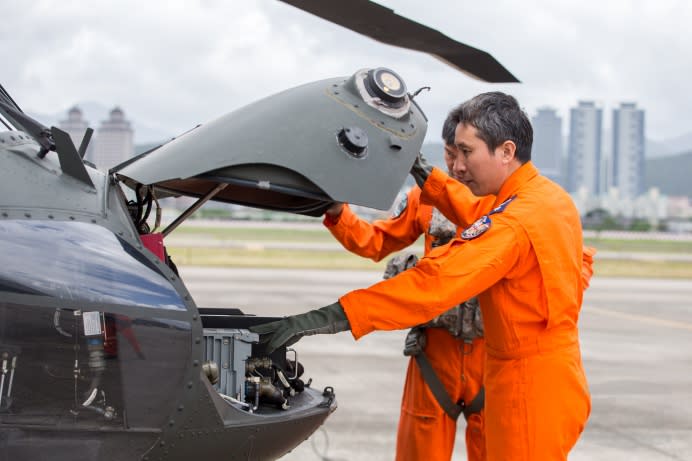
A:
(77, 261)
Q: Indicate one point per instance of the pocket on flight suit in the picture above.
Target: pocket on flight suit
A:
(508, 435)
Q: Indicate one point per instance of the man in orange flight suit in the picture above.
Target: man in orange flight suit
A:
(426, 431)
(524, 262)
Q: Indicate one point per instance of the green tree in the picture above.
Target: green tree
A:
(640, 225)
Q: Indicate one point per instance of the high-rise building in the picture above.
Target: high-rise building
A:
(628, 150)
(75, 125)
(114, 141)
(546, 153)
(584, 149)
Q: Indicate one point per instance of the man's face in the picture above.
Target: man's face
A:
(451, 153)
(474, 164)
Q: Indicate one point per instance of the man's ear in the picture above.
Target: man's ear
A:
(508, 150)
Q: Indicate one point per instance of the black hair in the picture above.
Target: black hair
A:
(448, 128)
(498, 118)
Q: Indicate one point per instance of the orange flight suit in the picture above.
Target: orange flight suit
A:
(587, 266)
(425, 431)
(527, 270)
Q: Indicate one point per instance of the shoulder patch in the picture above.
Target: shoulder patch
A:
(400, 207)
(476, 229)
(501, 207)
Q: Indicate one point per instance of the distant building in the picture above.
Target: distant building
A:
(680, 207)
(114, 141)
(584, 160)
(75, 125)
(650, 206)
(628, 173)
(546, 153)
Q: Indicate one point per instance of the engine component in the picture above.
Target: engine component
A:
(245, 380)
(4, 374)
(382, 89)
(263, 391)
(9, 365)
(211, 371)
(255, 363)
(386, 85)
(96, 361)
(229, 349)
(354, 140)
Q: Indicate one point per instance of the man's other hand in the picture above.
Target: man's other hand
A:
(335, 210)
(420, 170)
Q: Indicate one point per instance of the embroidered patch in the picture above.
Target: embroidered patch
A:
(476, 229)
(400, 207)
(501, 207)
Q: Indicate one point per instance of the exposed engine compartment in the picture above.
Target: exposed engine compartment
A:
(239, 369)
(235, 362)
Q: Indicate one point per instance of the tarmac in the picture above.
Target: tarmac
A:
(636, 339)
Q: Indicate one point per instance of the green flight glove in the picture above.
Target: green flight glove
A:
(420, 170)
(326, 320)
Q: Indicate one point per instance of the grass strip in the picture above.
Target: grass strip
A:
(341, 260)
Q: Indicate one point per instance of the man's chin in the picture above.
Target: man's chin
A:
(473, 187)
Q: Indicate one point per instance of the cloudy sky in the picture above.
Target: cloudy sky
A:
(173, 64)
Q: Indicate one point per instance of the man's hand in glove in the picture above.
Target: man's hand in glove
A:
(421, 170)
(335, 210)
(327, 320)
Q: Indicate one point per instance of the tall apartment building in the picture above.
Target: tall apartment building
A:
(584, 160)
(628, 173)
(546, 153)
(75, 125)
(114, 141)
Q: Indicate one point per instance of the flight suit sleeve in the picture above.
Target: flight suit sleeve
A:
(382, 237)
(447, 276)
(587, 266)
(454, 199)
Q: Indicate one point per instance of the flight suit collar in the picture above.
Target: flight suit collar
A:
(525, 173)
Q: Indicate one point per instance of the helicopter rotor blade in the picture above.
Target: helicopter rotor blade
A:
(384, 25)
(7, 99)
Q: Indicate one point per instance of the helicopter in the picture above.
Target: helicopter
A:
(104, 354)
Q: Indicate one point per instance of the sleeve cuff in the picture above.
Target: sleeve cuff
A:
(433, 186)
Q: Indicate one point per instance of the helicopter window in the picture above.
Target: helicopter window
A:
(79, 261)
(82, 368)
(87, 325)
(56, 369)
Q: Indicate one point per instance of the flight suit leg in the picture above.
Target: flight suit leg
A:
(473, 369)
(425, 431)
(537, 406)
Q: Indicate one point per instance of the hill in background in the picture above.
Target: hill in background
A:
(670, 174)
(672, 146)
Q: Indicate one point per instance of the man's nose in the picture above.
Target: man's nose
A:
(459, 164)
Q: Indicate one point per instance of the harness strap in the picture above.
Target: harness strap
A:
(476, 404)
(452, 409)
